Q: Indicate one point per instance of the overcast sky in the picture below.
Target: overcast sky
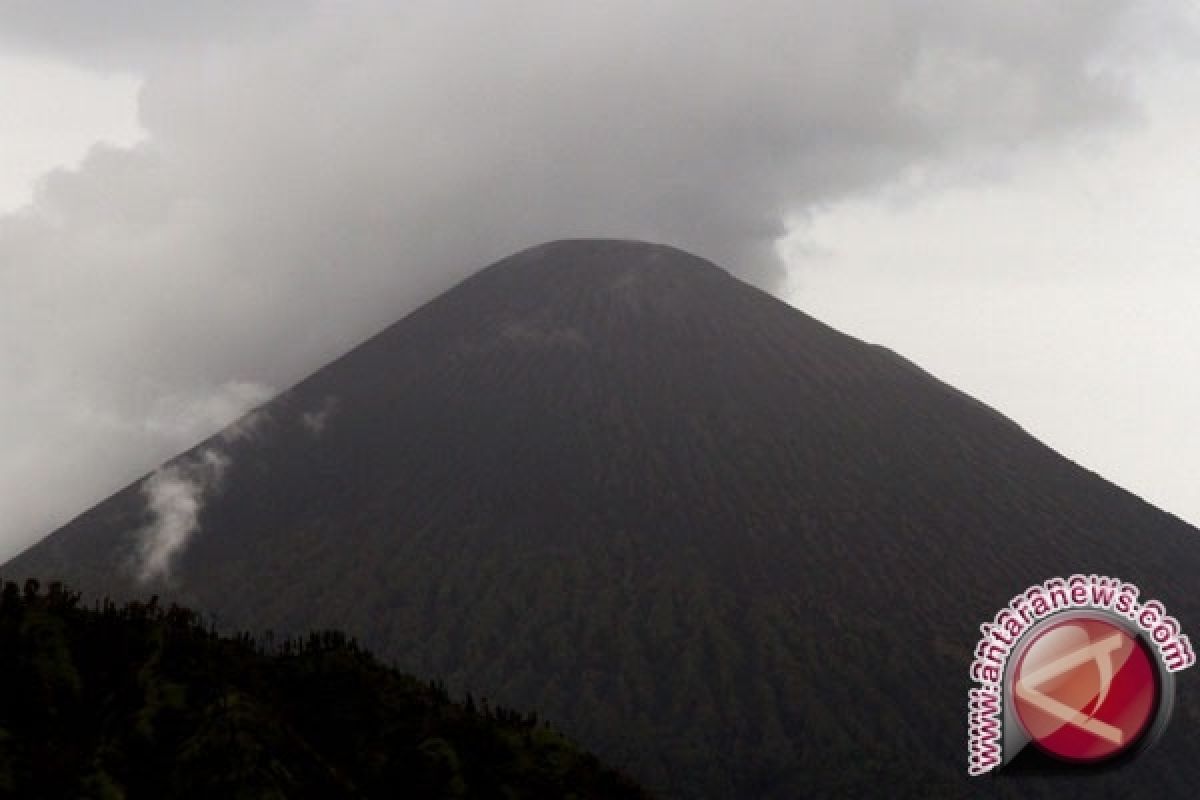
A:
(201, 204)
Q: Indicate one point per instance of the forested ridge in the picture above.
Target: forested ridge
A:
(141, 700)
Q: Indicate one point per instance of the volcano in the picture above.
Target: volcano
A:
(731, 550)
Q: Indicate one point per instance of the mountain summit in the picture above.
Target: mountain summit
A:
(737, 553)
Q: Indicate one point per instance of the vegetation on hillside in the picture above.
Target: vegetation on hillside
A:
(146, 701)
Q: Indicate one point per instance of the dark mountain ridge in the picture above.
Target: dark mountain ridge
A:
(729, 548)
(143, 701)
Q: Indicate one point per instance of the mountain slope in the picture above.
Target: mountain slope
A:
(734, 551)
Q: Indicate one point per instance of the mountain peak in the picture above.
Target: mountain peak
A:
(586, 297)
(698, 528)
(607, 254)
(605, 264)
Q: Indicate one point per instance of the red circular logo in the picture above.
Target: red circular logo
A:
(1085, 689)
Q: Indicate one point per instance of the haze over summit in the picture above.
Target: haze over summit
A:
(308, 175)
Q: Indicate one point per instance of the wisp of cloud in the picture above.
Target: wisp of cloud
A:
(175, 495)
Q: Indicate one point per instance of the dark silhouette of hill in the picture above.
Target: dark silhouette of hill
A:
(141, 701)
(734, 551)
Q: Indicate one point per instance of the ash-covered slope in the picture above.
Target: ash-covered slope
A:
(735, 552)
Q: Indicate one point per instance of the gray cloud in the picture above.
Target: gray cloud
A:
(310, 177)
(133, 34)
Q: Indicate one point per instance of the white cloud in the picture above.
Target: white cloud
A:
(188, 418)
(175, 495)
(53, 114)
